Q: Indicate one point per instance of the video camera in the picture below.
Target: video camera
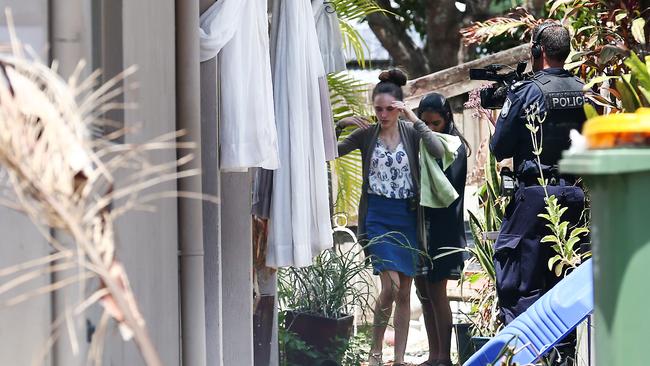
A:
(494, 95)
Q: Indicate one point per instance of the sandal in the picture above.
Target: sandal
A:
(374, 359)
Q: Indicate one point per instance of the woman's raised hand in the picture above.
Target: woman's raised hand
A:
(406, 111)
(358, 121)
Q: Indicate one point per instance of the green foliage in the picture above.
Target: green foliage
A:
(603, 32)
(337, 282)
(484, 225)
(607, 36)
(349, 12)
(563, 242)
(347, 98)
(290, 343)
(628, 92)
(412, 13)
(347, 352)
(516, 25)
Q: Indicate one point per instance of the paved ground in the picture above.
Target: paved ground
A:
(417, 349)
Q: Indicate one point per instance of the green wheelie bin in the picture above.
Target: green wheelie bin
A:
(616, 172)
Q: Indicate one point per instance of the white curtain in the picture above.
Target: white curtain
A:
(299, 226)
(237, 31)
(330, 42)
(330, 39)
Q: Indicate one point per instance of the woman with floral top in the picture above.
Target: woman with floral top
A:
(390, 218)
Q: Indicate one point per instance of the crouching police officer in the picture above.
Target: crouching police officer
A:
(521, 260)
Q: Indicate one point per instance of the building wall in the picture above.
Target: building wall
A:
(148, 242)
(31, 22)
(23, 330)
(22, 334)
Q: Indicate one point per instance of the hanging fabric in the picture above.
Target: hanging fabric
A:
(237, 31)
(330, 42)
(330, 39)
(327, 120)
(299, 226)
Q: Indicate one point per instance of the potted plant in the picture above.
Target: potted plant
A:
(319, 302)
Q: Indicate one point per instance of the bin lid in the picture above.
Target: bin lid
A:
(618, 130)
(605, 162)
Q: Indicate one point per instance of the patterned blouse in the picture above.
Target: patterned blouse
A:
(390, 173)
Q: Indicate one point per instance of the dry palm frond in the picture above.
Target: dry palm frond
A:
(61, 178)
(481, 32)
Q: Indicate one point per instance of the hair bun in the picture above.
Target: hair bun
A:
(395, 76)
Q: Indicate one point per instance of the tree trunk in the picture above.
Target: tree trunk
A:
(398, 43)
(443, 41)
(443, 37)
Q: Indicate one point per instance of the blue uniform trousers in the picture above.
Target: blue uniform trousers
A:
(520, 259)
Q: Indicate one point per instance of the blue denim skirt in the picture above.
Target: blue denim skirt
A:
(391, 228)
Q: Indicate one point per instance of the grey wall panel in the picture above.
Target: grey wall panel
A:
(148, 242)
(237, 269)
(211, 214)
(31, 21)
(24, 328)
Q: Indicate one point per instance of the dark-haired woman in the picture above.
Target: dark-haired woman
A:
(389, 214)
(445, 229)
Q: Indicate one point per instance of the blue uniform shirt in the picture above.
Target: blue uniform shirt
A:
(511, 138)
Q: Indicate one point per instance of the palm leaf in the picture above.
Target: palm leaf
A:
(346, 95)
(482, 32)
(347, 98)
(349, 12)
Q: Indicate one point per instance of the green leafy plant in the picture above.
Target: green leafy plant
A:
(484, 225)
(563, 242)
(338, 281)
(290, 343)
(603, 33)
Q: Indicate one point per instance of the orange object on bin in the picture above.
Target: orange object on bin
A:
(618, 130)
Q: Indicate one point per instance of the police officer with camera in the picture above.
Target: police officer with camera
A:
(521, 260)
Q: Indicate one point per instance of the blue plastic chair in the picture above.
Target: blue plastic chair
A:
(545, 323)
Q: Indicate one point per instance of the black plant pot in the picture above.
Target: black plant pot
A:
(479, 342)
(463, 342)
(320, 333)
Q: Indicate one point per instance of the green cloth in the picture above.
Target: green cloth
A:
(435, 189)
